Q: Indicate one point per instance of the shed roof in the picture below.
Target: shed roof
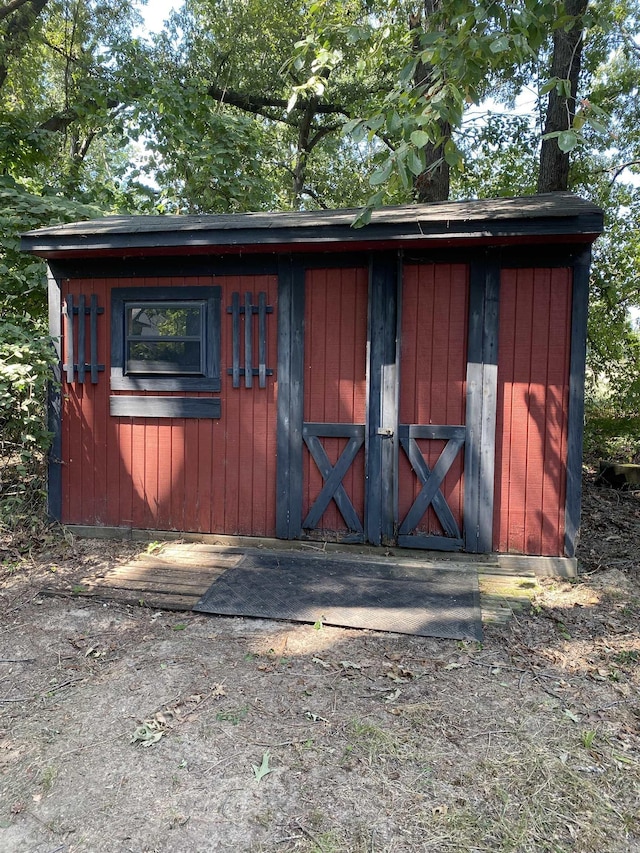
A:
(501, 220)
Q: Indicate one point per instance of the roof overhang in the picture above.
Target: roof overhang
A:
(553, 217)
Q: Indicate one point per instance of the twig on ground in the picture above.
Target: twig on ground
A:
(311, 837)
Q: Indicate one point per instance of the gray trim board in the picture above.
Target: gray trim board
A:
(291, 297)
(382, 411)
(164, 407)
(54, 402)
(482, 396)
(575, 423)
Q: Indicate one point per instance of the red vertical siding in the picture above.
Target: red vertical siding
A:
(183, 474)
(335, 353)
(531, 427)
(433, 371)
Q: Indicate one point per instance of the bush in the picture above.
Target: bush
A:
(26, 358)
(611, 434)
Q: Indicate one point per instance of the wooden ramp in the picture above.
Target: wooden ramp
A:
(175, 576)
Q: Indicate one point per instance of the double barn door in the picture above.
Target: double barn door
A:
(376, 397)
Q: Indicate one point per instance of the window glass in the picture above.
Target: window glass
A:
(165, 338)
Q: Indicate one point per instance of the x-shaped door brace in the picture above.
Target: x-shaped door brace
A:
(431, 479)
(333, 474)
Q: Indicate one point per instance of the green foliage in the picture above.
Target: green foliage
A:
(610, 434)
(26, 351)
(25, 369)
(63, 157)
(22, 277)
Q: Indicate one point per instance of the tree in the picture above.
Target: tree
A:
(559, 134)
(63, 95)
(260, 120)
(69, 69)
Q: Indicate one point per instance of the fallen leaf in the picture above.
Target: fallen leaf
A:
(315, 717)
(264, 769)
(391, 697)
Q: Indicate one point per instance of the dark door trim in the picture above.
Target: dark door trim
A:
(381, 445)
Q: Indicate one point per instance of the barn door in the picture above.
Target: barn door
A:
(334, 405)
(431, 414)
(371, 438)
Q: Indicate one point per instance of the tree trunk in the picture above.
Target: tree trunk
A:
(567, 55)
(18, 31)
(433, 183)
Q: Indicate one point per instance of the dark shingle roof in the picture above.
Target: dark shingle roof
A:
(549, 214)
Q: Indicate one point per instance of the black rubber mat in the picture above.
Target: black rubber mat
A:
(354, 593)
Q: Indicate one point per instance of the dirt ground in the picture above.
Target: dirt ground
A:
(125, 729)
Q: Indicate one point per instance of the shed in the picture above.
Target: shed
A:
(417, 382)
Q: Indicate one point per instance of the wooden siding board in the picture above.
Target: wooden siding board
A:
(433, 375)
(538, 411)
(506, 347)
(212, 476)
(150, 496)
(191, 472)
(335, 349)
(472, 463)
(178, 474)
(575, 425)
(554, 485)
(531, 422)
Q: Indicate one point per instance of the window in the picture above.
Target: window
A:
(165, 339)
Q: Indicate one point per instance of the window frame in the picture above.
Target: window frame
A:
(208, 297)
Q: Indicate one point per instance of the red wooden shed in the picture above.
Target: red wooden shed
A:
(417, 382)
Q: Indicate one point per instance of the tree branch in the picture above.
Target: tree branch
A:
(256, 104)
(618, 170)
(61, 121)
(321, 133)
(16, 36)
(314, 195)
(5, 11)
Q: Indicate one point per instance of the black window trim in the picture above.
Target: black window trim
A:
(210, 381)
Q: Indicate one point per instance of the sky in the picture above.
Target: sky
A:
(156, 12)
